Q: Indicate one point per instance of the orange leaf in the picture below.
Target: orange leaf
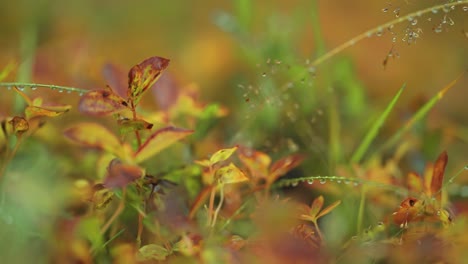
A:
(52, 111)
(316, 206)
(101, 102)
(438, 175)
(200, 199)
(329, 208)
(230, 174)
(256, 162)
(19, 124)
(160, 140)
(25, 97)
(415, 183)
(142, 76)
(222, 155)
(282, 166)
(120, 175)
(409, 211)
(96, 136)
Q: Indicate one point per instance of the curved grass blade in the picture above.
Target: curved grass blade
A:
(372, 133)
(418, 116)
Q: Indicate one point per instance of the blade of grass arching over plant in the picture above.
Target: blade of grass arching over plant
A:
(372, 133)
(317, 31)
(27, 48)
(334, 127)
(418, 116)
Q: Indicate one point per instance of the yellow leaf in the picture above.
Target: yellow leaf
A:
(35, 111)
(96, 136)
(230, 174)
(203, 163)
(222, 155)
(328, 209)
(160, 140)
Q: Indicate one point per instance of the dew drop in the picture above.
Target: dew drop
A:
(394, 39)
(33, 88)
(466, 167)
(465, 8)
(451, 22)
(438, 212)
(60, 90)
(397, 12)
(379, 32)
(347, 182)
(21, 88)
(435, 10)
(264, 74)
(9, 87)
(356, 183)
(369, 34)
(338, 181)
(438, 29)
(414, 22)
(294, 184)
(310, 182)
(80, 94)
(385, 10)
(323, 181)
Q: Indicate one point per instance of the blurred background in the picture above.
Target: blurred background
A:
(255, 58)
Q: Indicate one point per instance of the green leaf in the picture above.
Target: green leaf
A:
(160, 140)
(96, 136)
(372, 133)
(152, 252)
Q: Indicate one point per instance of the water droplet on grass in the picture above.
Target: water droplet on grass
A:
(21, 88)
(33, 88)
(294, 184)
(385, 10)
(414, 22)
(465, 8)
(9, 87)
(466, 167)
(310, 182)
(264, 74)
(435, 10)
(323, 181)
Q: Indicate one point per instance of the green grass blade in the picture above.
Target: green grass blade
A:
(418, 116)
(370, 136)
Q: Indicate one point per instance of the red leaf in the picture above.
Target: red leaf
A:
(256, 162)
(116, 79)
(101, 102)
(409, 211)
(438, 175)
(142, 76)
(160, 140)
(120, 175)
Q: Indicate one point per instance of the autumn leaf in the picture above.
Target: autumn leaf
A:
(101, 103)
(120, 175)
(314, 212)
(152, 252)
(142, 76)
(19, 124)
(160, 140)
(438, 175)
(257, 162)
(316, 206)
(96, 136)
(48, 111)
(328, 209)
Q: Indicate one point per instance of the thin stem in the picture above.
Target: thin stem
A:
(381, 27)
(220, 204)
(211, 205)
(318, 230)
(41, 85)
(362, 204)
(117, 212)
